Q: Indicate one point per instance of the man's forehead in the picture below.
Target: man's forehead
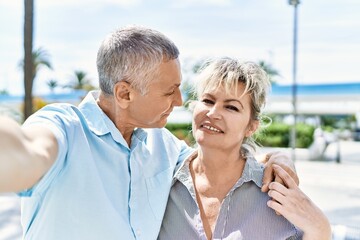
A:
(169, 76)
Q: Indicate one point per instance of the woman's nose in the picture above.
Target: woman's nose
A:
(214, 112)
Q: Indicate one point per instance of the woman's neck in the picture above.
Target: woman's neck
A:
(214, 173)
(217, 165)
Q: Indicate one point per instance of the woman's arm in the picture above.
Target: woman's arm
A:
(298, 208)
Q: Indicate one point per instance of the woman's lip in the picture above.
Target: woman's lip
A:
(209, 126)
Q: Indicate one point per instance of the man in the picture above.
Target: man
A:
(102, 170)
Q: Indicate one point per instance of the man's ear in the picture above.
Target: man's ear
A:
(123, 93)
(253, 126)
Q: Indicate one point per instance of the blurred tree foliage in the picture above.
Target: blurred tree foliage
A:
(80, 81)
(278, 135)
(4, 92)
(182, 131)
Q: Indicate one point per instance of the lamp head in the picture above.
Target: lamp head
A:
(294, 2)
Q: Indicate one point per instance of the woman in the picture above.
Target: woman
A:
(216, 194)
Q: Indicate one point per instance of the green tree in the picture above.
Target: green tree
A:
(4, 92)
(80, 81)
(40, 59)
(52, 84)
(270, 70)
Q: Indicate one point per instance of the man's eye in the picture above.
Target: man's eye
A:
(170, 93)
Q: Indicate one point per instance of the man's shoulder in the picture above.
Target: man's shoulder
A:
(56, 113)
(161, 132)
(60, 108)
(168, 140)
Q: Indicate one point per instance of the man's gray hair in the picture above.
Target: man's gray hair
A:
(132, 54)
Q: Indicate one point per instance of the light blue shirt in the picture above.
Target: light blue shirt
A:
(99, 188)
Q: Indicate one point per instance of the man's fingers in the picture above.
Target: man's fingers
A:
(277, 192)
(265, 187)
(278, 179)
(291, 173)
(279, 187)
(283, 160)
(284, 176)
(267, 178)
(276, 206)
(276, 196)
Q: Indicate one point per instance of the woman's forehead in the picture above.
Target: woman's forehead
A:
(234, 91)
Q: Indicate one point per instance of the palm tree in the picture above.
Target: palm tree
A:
(4, 92)
(52, 84)
(268, 68)
(28, 60)
(80, 81)
(40, 59)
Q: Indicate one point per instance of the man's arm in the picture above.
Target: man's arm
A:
(26, 154)
(284, 161)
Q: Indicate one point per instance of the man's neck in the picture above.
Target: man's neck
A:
(116, 115)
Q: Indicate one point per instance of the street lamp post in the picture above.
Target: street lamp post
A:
(294, 3)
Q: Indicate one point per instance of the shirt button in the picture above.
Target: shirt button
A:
(138, 232)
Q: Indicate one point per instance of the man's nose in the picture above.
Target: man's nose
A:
(177, 98)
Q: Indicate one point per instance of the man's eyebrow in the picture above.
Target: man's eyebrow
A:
(174, 86)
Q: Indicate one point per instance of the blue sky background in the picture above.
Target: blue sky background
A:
(71, 31)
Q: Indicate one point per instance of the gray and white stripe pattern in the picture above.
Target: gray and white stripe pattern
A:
(243, 214)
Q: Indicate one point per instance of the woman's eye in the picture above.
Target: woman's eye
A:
(233, 108)
(207, 101)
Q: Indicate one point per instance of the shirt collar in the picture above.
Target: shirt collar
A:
(100, 124)
(253, 171)
(183, 172)
(95, 117)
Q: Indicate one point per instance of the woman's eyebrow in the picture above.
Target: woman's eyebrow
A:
(234, 100)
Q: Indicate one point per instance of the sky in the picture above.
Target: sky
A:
(71, 32)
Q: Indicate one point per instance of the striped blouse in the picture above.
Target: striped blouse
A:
(243, 213)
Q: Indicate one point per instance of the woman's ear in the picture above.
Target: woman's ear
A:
(123, 93)
(253, 126)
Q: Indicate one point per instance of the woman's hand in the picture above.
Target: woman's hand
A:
(296, 207)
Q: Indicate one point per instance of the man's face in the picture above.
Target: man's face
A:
(153, 109)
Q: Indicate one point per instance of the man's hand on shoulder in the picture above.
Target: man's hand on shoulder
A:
(284, 161)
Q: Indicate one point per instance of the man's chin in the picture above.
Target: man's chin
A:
(160, 124)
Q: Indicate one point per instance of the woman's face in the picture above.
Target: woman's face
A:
(223, 120)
